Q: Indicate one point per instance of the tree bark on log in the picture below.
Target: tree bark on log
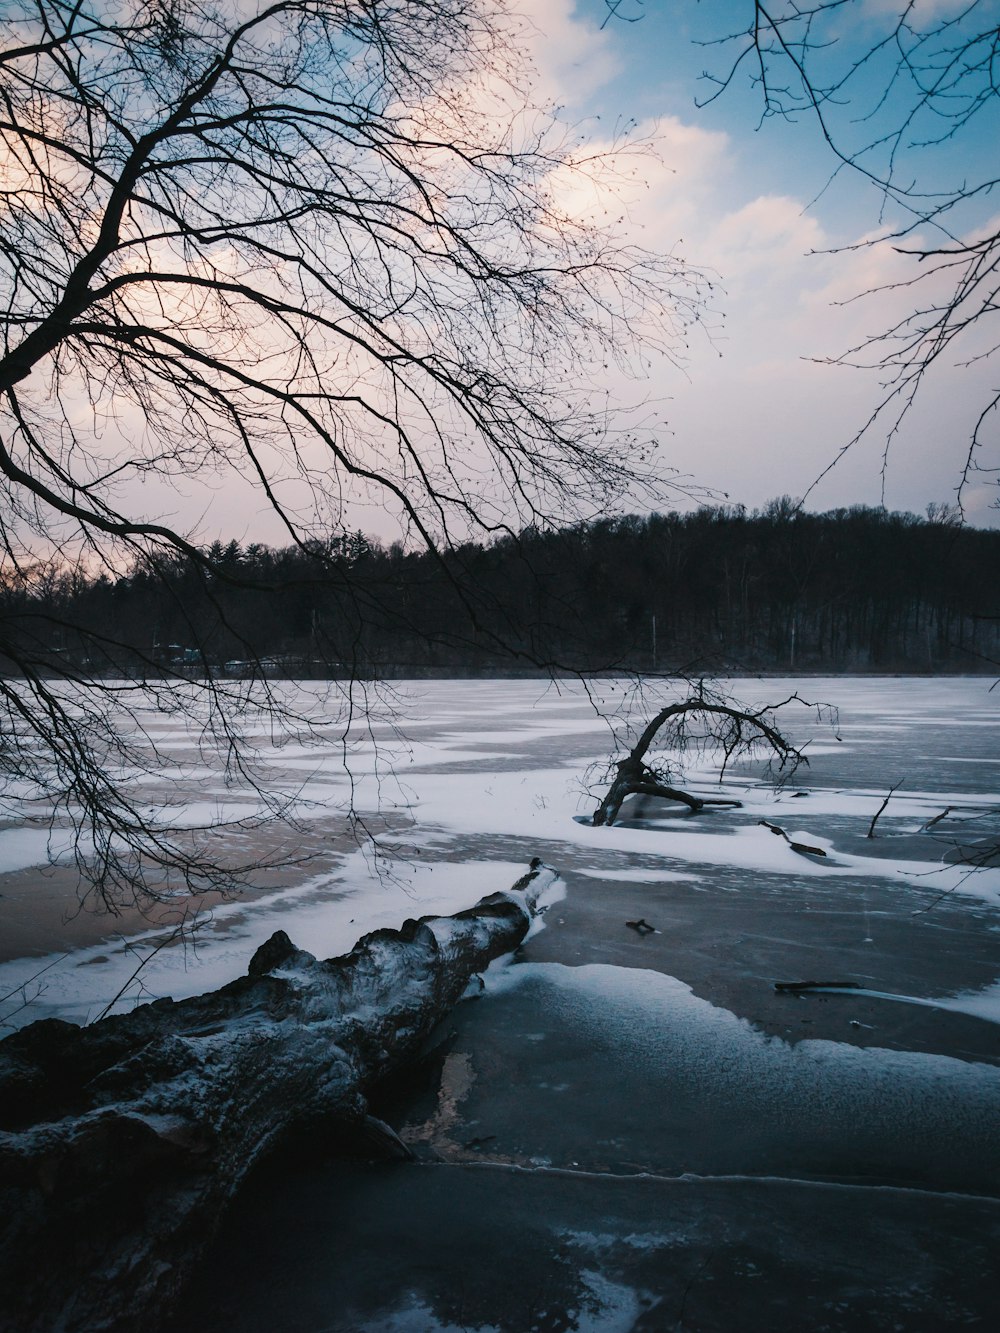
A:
(121, 1143)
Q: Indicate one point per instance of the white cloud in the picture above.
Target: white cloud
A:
(571, 55)
(754, 417)
(768, 230)
(757, 417)
(920, 12)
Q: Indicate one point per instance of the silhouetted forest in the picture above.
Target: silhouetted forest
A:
(719, 589)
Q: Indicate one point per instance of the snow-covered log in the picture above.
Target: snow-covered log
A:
(122, 1142)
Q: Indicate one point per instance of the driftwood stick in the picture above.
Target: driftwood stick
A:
(641, 927)
(794, 987)
(121, 1143)
(937, 818)
(878, 812)
(803, 848)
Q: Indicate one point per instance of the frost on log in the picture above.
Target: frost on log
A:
(698, 723)
(122, 1142)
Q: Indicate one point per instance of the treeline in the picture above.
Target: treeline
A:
(850, 590)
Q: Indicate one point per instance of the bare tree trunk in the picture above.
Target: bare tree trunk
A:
(635, 779)
(123, 1142)
(738, 732)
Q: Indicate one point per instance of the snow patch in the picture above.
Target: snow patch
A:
(417, 1317)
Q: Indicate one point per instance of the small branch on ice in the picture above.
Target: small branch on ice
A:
(641, 927)
(803, 848)
(183, 932)
(795, 987)
(888, 798)
(937, 818)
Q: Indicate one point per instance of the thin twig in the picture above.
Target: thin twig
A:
(875, 818)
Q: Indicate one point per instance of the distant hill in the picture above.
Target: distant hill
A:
(715, 590)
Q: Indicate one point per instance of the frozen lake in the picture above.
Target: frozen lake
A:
(463, 781)
(626, 1132)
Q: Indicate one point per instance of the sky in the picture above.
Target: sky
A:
(753, 411)
(754, 415)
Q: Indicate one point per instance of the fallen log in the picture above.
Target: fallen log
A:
(122, 1143)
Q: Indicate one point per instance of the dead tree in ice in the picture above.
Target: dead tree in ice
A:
(738, 732)
(121, 1143)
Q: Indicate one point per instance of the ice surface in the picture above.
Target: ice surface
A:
(635, 875)
(417, 1317)
(21, 848)
(463, 764)
(607, 1307)
(982, 1004)
(643, 1040)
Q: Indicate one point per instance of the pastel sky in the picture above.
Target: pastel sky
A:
(753, 413)
(753, 416)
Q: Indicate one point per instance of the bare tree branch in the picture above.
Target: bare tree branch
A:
(324, 246)
(705, 721)
(886, 86)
